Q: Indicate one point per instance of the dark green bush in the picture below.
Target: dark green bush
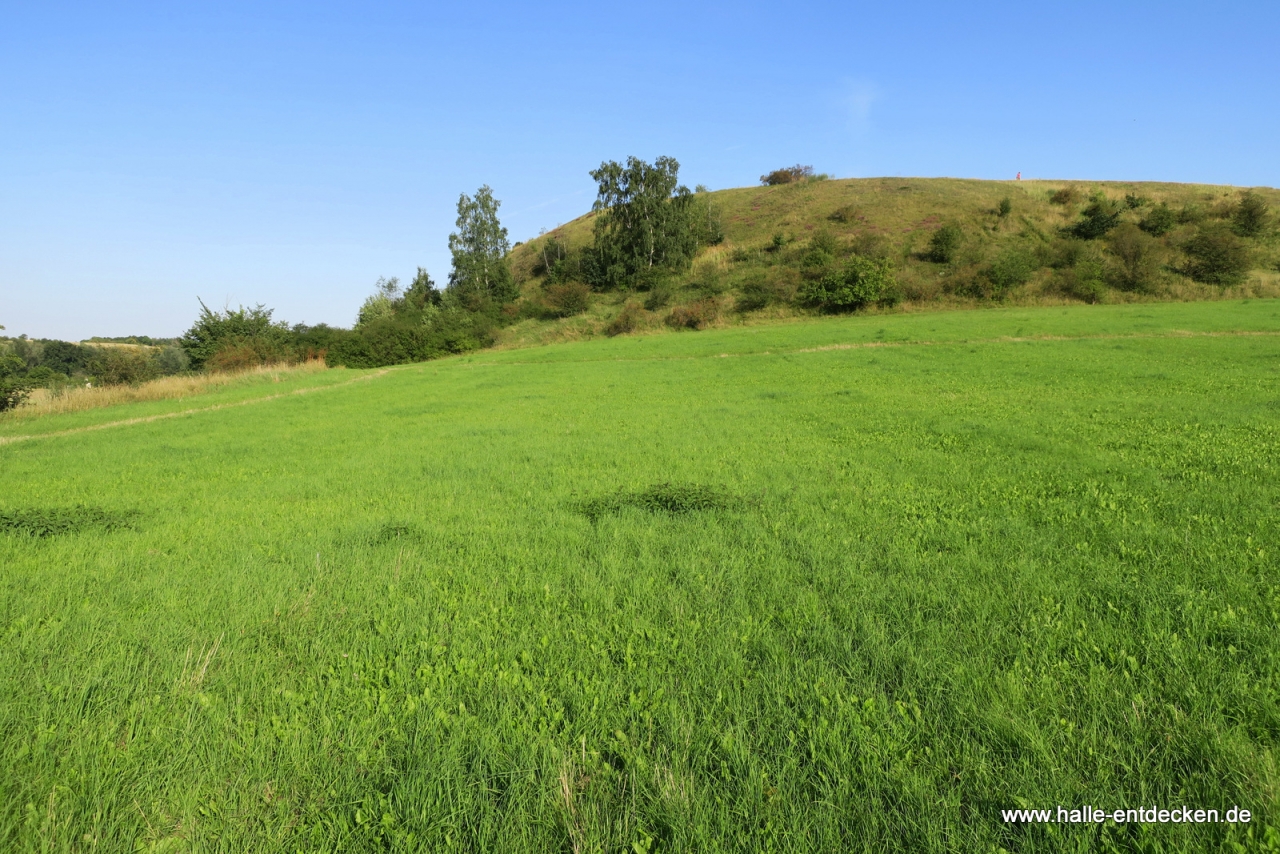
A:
(774, 286)
(122, 365)
(944, 244)
(789, 175)
(1133, 201)
(1136, 256)
(1011, 268)
(1251, 215)
(863, 281)
(1005, 207)
(1159, 221)
(1098, 218)
(657, 298)
(13, 393)
(567, 299)
(1216, 256)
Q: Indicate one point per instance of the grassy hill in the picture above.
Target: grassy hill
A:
(856, 583)
(770, 234)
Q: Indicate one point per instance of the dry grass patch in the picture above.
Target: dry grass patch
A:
(79, 398)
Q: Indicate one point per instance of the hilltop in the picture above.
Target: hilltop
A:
(1013, 243)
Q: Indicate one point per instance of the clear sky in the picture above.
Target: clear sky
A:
(292, 153)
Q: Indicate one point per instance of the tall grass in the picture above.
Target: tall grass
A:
(77, 398)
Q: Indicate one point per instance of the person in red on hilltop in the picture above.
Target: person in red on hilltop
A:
(1019, 178)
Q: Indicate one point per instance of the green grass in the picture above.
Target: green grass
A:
(851, 584)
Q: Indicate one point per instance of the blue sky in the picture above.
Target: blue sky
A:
(292, 153)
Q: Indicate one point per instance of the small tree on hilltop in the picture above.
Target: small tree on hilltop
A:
(790, 175)
(479, 248)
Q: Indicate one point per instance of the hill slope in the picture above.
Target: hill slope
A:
(774, 238)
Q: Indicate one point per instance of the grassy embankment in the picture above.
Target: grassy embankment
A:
(895, 218)
(904, 572)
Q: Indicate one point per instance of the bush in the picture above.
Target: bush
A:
(1251, 215)
(944, 244)
(1065, 196)
(568, 299)
(1159, 221)
(626, 321)
(1011, 269)
(1216, 256)
(13, 393)
(846, 214)
(1137, 261)
(122, 365)
(694, 315)
(214, 330)
(1098, 218)
(1133, 201)
(789, 175)
(862, 282)
(1005, 207)
(774, 286)
(657, 298)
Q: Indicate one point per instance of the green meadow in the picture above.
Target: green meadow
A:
(848, 584)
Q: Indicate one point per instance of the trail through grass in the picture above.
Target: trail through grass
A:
(629, 595)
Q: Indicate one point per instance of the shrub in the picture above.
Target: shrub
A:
(1133, 201)
(657, 298)
(1137, 261)
(626, 321)
(1098, 218)
(944, 244)
(1250, 216)
(1158, 221)
(846, 214)
(776, 243)
(1004, 208)
(13, 393)
(868, 244)
(1011, 269)
(770, 287)
(1216, 256)
(1191, 214)
(568, 299)
(789, 175)
(215, 329)
(694, 315)
(862, 282)
(1078, 283)
(122, 366)
(1064, 196)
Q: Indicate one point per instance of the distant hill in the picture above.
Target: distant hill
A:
(1034, 241)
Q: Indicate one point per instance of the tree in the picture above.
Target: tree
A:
(1099, 217)
(381, 303)
(250, 328)
(862, 282)
(479, 248)
(1216, 256)
(1251, 215)
(789, 175)
(643, 222)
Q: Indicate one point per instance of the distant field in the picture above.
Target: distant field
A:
(852, 584)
